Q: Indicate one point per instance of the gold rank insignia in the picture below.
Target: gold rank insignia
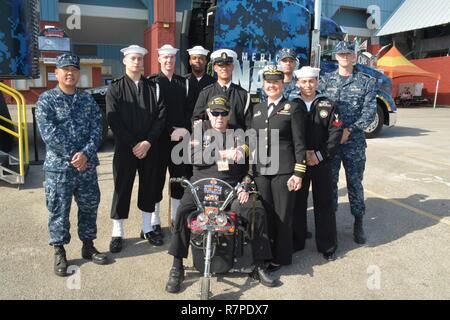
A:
(323, 113)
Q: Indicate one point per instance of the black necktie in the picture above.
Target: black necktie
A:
(270, 109)
(224, 89)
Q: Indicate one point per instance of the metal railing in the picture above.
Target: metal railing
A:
(22, 132)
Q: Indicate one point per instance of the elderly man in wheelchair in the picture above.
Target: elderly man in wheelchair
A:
(229, 165)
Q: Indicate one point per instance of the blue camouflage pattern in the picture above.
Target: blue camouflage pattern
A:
(59, 188)
(353, 158)
(355, 98)
(258, 35)
(67, 59)
(68, 124)
(16, 42)
(345, 47)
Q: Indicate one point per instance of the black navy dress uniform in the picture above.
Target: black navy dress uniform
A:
(260, 243)
(175, 95)
(323, 135)
(239, 101)
(195, 86)
(289, 120)
(134, 114)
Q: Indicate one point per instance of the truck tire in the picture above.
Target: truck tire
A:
(375, 127)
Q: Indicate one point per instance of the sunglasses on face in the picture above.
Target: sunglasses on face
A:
(220, 113)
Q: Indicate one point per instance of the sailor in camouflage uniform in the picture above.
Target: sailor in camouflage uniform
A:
(288, 62)
(355, 95)
(69, 121)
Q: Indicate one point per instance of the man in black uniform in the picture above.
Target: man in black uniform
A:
(136, 116)
(174, 91)
(230, 171)
(323, 136)
(239, 98)
(197, 80)
(284, 122)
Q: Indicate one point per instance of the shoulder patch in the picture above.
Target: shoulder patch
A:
(324, 104)
(323, 113)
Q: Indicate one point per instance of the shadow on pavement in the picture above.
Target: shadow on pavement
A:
(384, 222)
(397, 131)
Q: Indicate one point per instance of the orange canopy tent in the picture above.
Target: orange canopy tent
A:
(395, 65)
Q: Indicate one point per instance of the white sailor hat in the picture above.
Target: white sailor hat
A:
(167, 49)
(198, 50)
(307, 72)
(134, 49)
(223, 56)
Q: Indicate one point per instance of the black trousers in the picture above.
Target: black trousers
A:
(164, 162)
(179, 245)
(279, 204)
(125, 165)
(324, 213)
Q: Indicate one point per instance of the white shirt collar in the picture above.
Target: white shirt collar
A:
(276, 101)
(226, 85)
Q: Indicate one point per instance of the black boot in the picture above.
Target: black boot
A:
(115, 245)
(260, 273)
(89, 252)
(158, 230)
(152, 238)
(358, 231)
(60, 265)
(176, 277)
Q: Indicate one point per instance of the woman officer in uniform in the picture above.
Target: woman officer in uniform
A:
(280, 126)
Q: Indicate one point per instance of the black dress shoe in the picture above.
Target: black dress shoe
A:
(115, 245)
(157, 229)
(89, 252)
(329, 256)
(176, 277)
(260, 273)
(272, 267)
(60, 265)
(358, 231)
(152, 238)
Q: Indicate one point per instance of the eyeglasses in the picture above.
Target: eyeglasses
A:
(220, 113)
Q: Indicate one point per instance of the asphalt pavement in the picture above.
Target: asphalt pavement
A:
(407, 190)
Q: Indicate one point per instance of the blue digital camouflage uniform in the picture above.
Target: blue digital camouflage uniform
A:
(356, 103)
(70, 124)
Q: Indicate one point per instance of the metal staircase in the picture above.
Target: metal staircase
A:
(10, 169)
(14, 170)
